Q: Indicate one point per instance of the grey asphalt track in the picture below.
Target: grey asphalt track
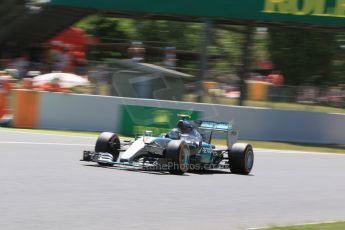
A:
(43, 185)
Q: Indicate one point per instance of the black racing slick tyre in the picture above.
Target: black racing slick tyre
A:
(178, 155)
(108, 143)
(241, 158)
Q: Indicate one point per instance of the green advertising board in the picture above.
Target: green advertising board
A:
(317, 12)
(136, 119)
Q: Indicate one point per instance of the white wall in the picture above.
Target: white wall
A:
(100, 113)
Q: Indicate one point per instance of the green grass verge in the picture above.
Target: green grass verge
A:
(330, 226)
(256, 144)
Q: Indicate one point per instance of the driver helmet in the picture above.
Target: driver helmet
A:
(184, 126)
(174, 134)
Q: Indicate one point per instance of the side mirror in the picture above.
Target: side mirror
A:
(147, 133)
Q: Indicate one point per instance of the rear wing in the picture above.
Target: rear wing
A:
(217, 126)
(223, 127)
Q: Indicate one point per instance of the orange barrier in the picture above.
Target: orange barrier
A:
(5, 87)
(3, 104)
(26, 108)
(257, 90)
(210, 85)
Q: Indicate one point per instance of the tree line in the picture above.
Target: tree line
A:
(304, 56)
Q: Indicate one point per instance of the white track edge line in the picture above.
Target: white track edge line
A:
(43, 143)
(47, 134)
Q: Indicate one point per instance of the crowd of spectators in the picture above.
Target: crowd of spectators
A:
(275, 78)
(45, 58)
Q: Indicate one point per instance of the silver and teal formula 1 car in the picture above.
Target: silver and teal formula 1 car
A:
(188, 147)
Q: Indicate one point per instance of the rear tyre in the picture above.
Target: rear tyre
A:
(241, 158)
(108, 143)
(178, 155)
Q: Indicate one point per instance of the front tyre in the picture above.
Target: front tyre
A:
(108, 143)
(241, 158)
(178, 155)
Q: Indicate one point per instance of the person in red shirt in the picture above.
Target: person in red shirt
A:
(276, 92)
(276, 78)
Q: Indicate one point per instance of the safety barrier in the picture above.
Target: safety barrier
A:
(26, 108)
(5, 87)
(258, 90)
(3, 104)
(103, 113)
